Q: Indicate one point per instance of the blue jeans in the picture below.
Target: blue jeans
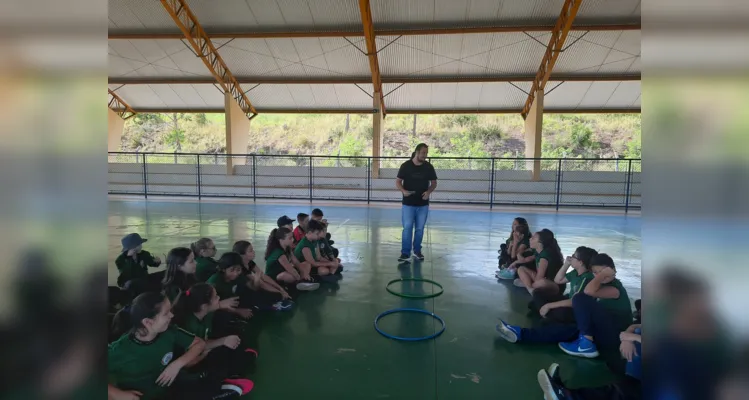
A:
(591, 319)
(413, 217)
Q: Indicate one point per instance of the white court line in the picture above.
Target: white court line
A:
(342, 223)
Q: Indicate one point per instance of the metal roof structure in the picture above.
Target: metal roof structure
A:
(431, 56)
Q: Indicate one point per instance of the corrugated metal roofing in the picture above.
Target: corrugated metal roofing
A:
(171, 96)
(233, 15)
(489, 55)
(296, 58)
(470, 13)
(148, 57)
(484, 54)
(596, 95)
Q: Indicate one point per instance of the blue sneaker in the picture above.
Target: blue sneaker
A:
(508, 332)
(582, 347)
(506, 274)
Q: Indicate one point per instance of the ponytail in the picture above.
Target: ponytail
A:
(130, 319)
(191, 300)
(274, 240)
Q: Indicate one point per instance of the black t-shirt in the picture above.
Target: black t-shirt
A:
(416, 179)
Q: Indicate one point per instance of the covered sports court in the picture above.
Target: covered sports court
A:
(378, 57)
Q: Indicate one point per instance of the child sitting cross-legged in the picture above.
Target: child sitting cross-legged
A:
(152, 360)
(308, 250)
(133, 263)
(601, 310)
(553, 305)
(283, 266)
(267, 292)
(194, 312)
(230, 282)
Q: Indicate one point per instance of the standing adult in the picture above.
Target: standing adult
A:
(416, 180)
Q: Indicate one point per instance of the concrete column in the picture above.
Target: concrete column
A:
(237, 133)
(116, 125)
(377, 122)
(533, 127)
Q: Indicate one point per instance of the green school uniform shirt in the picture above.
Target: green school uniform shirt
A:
(134, 268)
(200, 328)
(578, 282)
(308, 244)
(620, 306)
(204, 268)
(226, 289)
(272, 266)
(552, 267)
(135, 365)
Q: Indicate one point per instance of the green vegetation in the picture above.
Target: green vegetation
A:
(565, 135)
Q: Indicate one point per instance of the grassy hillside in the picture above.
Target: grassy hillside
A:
(564, 135)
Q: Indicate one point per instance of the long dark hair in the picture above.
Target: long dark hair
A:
(419, 147)
(130, 319)
(525, 229)
(547, 239)
(190, 301)
(585, 254)
(274, 241)
(176, 258)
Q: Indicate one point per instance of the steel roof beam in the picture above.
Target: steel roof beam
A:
(120, 106)
(394, 80)
(398, 111)
(377, 32)
(203, 47)
(554, 48)
(369, 38)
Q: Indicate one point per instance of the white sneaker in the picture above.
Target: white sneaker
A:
(307, 286)
(518, 283)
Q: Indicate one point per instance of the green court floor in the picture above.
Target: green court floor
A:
(327, 346)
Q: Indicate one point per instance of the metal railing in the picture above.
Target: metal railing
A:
(491, 181)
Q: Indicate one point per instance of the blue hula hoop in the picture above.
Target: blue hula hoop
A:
(409, 339)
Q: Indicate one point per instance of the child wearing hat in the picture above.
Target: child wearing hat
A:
(133, 261)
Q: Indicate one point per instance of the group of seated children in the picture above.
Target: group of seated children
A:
(179, 335)
(594, 315)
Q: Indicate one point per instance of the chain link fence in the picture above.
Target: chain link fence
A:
(492, 181)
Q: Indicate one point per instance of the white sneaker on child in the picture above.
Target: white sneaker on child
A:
(518, 283)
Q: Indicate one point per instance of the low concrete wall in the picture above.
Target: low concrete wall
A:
(464, 186)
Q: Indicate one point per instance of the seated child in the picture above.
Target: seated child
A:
(548, 260)
(285, 222)
(515, 245)
(627, 388)
(302, 219)
(194, 313)
(132, 264)
(326, 250)
(142, 363)
(317, 215)
(269, 292)
(601, 311)
(180, 276)
(308, 250)
(282, 265)
(204, 250)
(555, 306)
(230, 282)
